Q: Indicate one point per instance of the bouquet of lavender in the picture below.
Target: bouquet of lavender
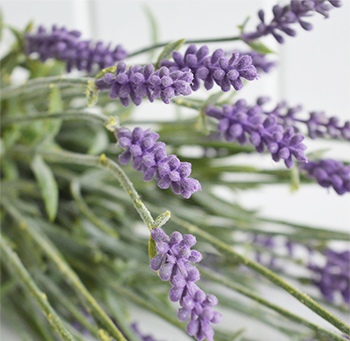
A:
(101, 212)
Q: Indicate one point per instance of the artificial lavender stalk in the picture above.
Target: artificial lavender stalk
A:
(173, 259)
(334, 276)
(66, 46)
(213, 69)
(139, 81)
(284, 17)
(150, 157)
(329, 173)
(318, 124)
(240, 120)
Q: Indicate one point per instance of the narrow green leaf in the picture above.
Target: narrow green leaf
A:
(168, 50)
(152, 250)
(154, 27)
(55, 101)
(294, 179)
(47, 184)
(242, 26)
(91, 93)
(110, 69)
(1, 24)
(260, 47)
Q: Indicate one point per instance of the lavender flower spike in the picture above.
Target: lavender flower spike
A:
(173, 259)
(66, 46)
(138, 81)
(329, 173)
(150, 157)
(240, 120)
(334, 276)
(318, 124)
(215, 68)
(284, 17)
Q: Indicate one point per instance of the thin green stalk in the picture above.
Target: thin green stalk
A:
(38, 83)
(223, 280)
(190, 41)
(66, 115)
(87, 212)
(14, 265)
(51, 251)
(65, 302)
(303, 298)
(104, 162)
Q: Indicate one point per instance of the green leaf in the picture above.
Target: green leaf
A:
(47, 184)
(260, 47)
(91, 93)
(154, 27)
(168, 50)
(242, 26)
(110, 69)
(1, 24)
(152, 248)
(294, 179)
(55, 101)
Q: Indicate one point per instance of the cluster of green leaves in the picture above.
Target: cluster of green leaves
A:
(74, 248)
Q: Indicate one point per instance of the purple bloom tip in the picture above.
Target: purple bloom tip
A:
(174, 266)
(150, 157)
(66, 46)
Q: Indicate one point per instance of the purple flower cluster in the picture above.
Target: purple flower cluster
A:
(150, 157)
(173, 259)
(240, 120)
(66, 46)
(215, 68)
(318, 124)
(284, 17)
(139, 81)
(334, 276)
(260, 61)
(329, 173)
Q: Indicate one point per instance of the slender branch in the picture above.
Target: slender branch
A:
(87, 212)
(222, 280)
(55, 256)
(40, 83)
(190, 41)
(104, 162)
(303, 298)
(66, 115)
(14, 265)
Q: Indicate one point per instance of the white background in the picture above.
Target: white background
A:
(314, 70)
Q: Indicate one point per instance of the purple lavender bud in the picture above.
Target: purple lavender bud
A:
(175, 266)
(215, 68)
(137, 82)
(334, 276)
(66, 46)
(329, 173)
(238, 121)
(150, 157)
(284, 17)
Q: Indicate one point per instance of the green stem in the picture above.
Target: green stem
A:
(190, 41)
(67, 115)
(52, 253)
(303, 298)
(104, 162)
(66, 302)
(87, 212)
(39, 83)
(14, 265)
(281, 311)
